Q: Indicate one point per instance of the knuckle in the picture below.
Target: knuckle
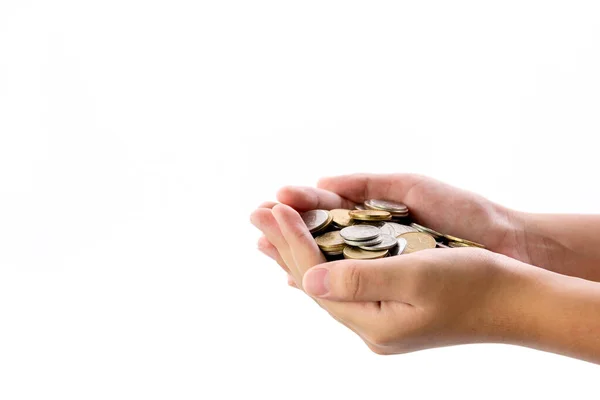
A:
(410, 179)
(419, 177)
(381, 336)
(300, 234)
(322, 182)
(352, 282)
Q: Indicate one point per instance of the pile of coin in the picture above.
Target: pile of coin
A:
(375, 229)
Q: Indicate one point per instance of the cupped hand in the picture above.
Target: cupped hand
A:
(432, 203)
(427, 299)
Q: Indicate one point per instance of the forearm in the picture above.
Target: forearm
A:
(567, 244)
(555, 313)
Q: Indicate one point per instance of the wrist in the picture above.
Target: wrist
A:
(523, 239)
(506, 230)
(508, 308)
(547, 311)
(564, 316)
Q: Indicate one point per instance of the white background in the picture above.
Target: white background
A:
(137, 136)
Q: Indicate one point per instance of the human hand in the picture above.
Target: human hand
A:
(456, 295)
(559, 243)
(432, 203)
(431, 298)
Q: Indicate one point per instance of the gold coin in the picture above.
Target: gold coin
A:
(341, 217)
(464, 241)
(359, 254)
(416, 241)
(331, 241)
(370, 215)
(457, 244)
(422, 228)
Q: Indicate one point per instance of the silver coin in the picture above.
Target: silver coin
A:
(359, 207)
(442, 245)
(359, 233)
(371, 242)
(315, 219)
(387, 242)
(391, 206)
(399, 248)
(395, 229)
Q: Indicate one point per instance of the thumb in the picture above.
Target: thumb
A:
(351, 280)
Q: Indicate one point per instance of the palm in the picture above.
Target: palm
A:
(454, 211)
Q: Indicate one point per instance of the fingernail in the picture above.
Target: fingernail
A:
(316, 282)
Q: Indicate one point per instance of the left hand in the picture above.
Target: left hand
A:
(426, 299)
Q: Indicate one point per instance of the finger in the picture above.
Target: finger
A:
(292, 282)
(304, 249)
(264, 220)
(270, 251)
(374, 280)
(304, 198)
(306, 254)
(361, 187)
(267, 204)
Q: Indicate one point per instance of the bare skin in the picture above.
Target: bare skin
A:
(443, 297)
